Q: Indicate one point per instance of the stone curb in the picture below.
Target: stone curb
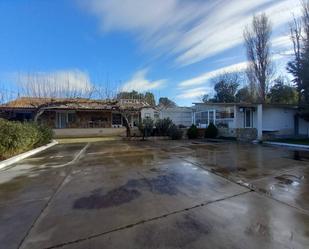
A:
(300, 146)
(24, 155)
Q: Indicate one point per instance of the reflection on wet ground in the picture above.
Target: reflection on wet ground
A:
(163, 194)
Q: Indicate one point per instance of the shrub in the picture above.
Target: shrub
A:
(162, 126)
(46, 134)
(174, 132)
(192, 132)
(146, 127)
(16, 137)
(211, 131)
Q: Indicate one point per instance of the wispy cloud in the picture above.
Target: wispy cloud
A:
(205, 77)
(140, 83)
(190, 31)
(194, 93)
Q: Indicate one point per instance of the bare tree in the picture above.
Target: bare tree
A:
(54, 86)
(257, 42)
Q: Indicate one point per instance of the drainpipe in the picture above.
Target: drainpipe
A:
(260, 122)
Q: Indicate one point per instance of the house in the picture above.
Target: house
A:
(71, 117)
(150, 112)
(251, 121)
(181, 116)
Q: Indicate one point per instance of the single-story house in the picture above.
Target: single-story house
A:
(77, 115)
(251, 120)
(150, 112)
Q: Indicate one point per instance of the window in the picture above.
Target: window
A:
(116, 119)
(99, 119)
(147, 115)
(228, 113)
(71, 117)
(201, 118)
(247, 118)
(211, 117)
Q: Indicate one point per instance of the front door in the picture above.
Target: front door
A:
(61, 120)
(248, 118)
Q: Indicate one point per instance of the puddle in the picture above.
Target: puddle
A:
(299, 155)
(114, 197)
(192, 225)
(163, 184)
(289, 179)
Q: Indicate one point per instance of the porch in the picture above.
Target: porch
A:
(231, 120)
(86, 119)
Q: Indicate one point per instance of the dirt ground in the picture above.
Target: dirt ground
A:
(156, 194)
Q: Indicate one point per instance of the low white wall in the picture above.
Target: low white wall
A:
(91, 132)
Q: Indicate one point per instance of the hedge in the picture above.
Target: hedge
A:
(17, 137)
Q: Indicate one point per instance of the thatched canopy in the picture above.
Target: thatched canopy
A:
(74, 104)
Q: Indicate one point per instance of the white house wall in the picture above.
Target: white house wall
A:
(279, 119)
(303, 127)
(240, 118)
(148, 112)
(179, 115)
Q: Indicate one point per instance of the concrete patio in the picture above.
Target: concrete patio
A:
(158, 194)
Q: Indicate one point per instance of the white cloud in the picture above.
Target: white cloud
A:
(194, 93)
(190, 31)
(203, 78)
(63, 83)
(141, 84)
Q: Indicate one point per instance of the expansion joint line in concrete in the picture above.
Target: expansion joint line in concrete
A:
(75, 159)
(144, 221)
(251, 187)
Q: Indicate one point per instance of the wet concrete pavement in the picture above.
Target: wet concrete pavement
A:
(164, 194)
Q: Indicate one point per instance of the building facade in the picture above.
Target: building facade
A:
(262, 119)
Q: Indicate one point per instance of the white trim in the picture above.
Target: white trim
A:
(22, 156)
(301, 146)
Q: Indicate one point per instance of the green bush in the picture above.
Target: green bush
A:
(162, 126)
(174, 132)
(46, 134)
(146, 127)
(211, 131)
(16, 137)
(192, 132)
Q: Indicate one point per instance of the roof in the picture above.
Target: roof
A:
(177, 108)
(73, 104)
(244, 104)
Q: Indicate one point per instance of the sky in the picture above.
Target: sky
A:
(172, 48)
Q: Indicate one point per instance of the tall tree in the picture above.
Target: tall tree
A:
(226, 86)
(282, 93)
(295, 66)
(244, 95)
(299, 65)
(257, 42)
(150, 99)
(166, 102)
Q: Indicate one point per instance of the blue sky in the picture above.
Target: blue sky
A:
(170, 47)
